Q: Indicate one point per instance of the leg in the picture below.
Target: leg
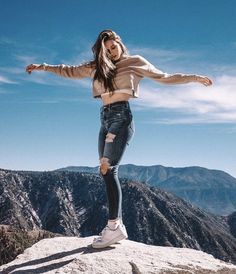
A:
(113, 151)
(114, 135)
(114, 193)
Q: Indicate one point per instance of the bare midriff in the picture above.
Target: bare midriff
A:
(116, 97)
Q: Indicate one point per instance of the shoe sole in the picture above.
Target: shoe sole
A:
(113, 241)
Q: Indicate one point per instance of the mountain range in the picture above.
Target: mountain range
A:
(211, 190)
(75, 204)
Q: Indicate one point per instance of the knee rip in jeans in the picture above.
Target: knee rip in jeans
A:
(105, 165)
(110, 137)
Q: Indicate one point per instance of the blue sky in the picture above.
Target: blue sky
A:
(48, 122)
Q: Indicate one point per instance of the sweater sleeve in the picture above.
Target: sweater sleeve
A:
(80, 71)
(146, 69)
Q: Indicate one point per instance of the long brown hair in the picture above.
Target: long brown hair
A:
(105, 68)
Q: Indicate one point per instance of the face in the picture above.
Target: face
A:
(114, 50)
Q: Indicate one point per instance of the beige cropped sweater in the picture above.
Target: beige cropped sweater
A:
(130, 70)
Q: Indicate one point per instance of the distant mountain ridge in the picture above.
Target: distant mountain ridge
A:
(74, 203)
(211, 190)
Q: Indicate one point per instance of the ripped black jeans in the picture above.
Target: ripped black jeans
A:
(117, 119)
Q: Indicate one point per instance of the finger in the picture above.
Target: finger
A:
(208, 82)
(28, 68)
(204, 82)
(32, 67)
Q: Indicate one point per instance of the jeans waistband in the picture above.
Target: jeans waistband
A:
(109, 106)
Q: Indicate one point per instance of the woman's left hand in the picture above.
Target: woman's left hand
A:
(203, 80)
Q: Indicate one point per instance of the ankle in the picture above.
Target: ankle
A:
(113, 224)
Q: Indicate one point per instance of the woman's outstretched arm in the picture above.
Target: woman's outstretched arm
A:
(80, 71)
(180, 78)
(146, 69)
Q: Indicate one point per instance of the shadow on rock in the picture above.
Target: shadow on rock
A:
(83, 250)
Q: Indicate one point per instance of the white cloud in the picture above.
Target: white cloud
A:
(12, 70)
(5, 80)
(198, 104)
(44, 78)
(6, 41)
(26, 59)
(54, 101)
(81, 57)
(159, 53)
(50, 79)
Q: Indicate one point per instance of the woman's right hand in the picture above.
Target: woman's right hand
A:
(203, 80)
(32, 67)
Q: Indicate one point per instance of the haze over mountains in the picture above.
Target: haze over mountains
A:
(211, 190)
(74, 203)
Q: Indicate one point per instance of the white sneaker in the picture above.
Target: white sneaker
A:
(109, 236)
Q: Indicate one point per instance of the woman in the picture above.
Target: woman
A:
(116, 76)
